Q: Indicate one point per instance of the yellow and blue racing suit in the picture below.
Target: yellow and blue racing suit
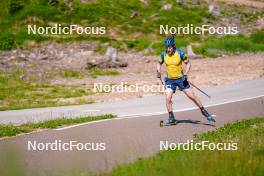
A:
(173, 64)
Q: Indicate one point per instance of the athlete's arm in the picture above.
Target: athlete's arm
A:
(159, 64)
(186, 61)
(188, 67)
(158, 67)
(158, 70)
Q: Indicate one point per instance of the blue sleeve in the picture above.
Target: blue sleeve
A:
(183, 57)
(181, 53)
(161, 60)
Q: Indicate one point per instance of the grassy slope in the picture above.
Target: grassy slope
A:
(18, 93)
(11, 130)
(132, 33)
(238, 43)
(99, 13)
(247, 160)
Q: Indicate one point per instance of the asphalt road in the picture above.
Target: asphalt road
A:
(135, 133)
(125, 139)
(141, 106)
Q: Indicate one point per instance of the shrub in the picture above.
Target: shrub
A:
(15, 5)
(7, 41)
(257, 37)
(70, 74)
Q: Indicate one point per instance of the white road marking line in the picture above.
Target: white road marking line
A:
(72, 126)
(157, 113)
(192, 108)
(91, 110)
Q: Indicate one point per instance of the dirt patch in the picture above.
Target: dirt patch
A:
(204, 73)
(255, 3)
(140, 70)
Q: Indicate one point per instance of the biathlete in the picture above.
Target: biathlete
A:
(177, 77)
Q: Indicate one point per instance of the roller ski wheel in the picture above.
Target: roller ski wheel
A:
(209, 117)
(167, 123)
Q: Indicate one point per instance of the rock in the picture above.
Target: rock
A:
(134, 15)
(260, 23)
(53, 2)
(145, 2)
(196, 2)
(87, 53)
(190, 52)
(2, 63)
(210, 8)
(69, 4)
(147, 61)
(110, 60)
(42, 57)
(214, 10)
(22, 55)
(111, 53)
(214, 52)
(105, 63)
(21, 59)
(166, 7)
(82, 54)
(147, 51)
(180, 2)
(23, 76)
(32, 55)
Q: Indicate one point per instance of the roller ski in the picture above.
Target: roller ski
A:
(168, 122)
(209, 117)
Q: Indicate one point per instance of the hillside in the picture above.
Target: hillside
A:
(130, 25)
(61, 69)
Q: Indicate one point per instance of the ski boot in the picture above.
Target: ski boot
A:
(168, 122)
(208, 116)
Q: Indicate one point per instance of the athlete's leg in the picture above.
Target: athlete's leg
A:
(169, 94)
(170, 89)
(190, 94)
(171, 119)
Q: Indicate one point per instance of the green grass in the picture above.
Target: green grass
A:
(70, 74)
(246, 14)
(134, 34)
(257, 37)
(11, 130)
(247, 160)
(238, 43)
(94, 72)
(19, 93)
(96, 13)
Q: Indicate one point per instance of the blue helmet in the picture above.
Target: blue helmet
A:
(169, 41)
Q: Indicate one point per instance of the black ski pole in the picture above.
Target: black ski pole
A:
(199, 89)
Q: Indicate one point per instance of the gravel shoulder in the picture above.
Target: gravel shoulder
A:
(204, 73)
(47, 67)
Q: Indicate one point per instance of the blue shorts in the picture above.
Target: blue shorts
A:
(174, 83)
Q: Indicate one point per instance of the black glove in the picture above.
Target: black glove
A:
(158, 74)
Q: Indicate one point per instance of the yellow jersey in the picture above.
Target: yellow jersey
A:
(174, 63)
